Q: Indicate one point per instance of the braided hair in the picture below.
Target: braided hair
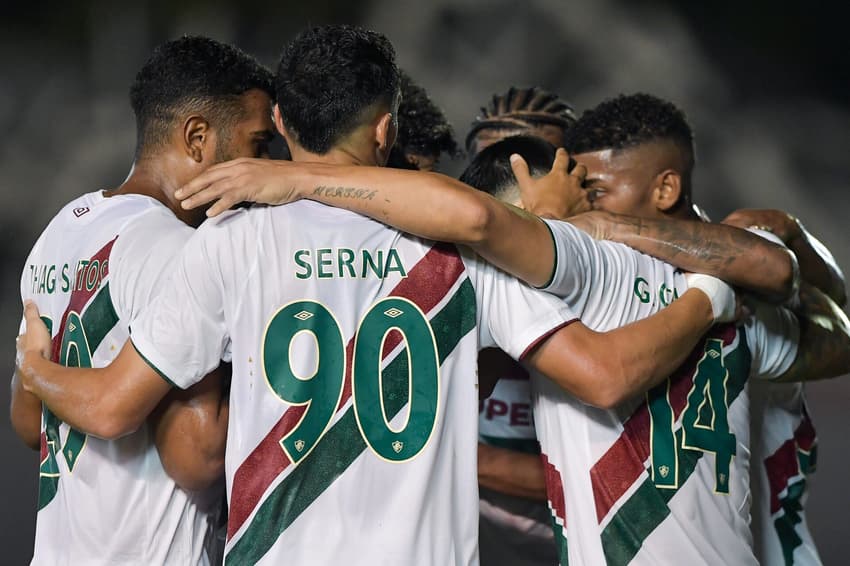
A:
(522, 109)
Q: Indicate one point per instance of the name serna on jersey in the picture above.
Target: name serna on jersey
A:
(352, 432)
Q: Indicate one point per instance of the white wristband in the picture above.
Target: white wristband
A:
(721, 295)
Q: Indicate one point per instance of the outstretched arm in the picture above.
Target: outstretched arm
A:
(190, 431)
(735, 255)
(425, 204)
(105, 402)
(817, 264)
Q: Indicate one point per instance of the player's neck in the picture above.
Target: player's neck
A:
(338, 155)
(683, 212)
(152, 180)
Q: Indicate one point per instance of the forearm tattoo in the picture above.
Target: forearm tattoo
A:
(345, 192)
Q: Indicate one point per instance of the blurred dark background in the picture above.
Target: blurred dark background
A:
(766, 86)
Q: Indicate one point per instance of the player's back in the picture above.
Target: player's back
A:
(661, 479)
(353, 427)
(104, 502)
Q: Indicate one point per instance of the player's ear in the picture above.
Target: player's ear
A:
(668, 190)
(278, 119)
(197, 135)
(386, 130)
(281, 127)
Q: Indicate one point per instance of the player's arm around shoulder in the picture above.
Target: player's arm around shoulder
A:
(108, 402)
(512, 239)
(727, 252)
(190, 430)
(817, 264)
(604, 369)
(823, 346)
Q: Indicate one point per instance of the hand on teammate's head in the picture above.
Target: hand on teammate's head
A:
(558, 194)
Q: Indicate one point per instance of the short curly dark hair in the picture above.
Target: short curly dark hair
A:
(490, 171)
(422, 127)
(630, 120)
(521, 109)
(328, 77)
(192, 74)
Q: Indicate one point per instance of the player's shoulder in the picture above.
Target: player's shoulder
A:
(145, 219)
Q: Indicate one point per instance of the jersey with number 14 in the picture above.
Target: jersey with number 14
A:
(352, 433)
(664, 478)
(98, 262)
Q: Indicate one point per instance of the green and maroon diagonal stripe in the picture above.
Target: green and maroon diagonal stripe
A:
(342, 444)
(557, 507)
(97, 320)
(787, 469)
(647, 507)
(426, 285)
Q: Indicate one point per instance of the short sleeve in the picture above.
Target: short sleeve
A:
(142, 258)
(773, 336)
(574, 255)
(511, 315)
(182, 334)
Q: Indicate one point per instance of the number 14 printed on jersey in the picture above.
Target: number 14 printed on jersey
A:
(705, 425)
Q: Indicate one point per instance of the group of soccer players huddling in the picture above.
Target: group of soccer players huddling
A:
(556, 359)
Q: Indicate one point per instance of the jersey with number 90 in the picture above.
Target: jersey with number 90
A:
(663, 479)
(99, 261)
(352, 435)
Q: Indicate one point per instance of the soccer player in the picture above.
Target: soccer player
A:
(100, 261)
(637, 149)
(529, 111)
(424, 133)
(785, 442)
(618, 509)
(352, 409)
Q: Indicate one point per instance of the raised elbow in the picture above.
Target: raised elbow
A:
(607, 397)
(114, 423)
(28, 433)
(606, 384)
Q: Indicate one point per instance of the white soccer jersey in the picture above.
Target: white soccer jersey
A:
(784, 454)
(346, 444)
(662, 479)
(106, 502)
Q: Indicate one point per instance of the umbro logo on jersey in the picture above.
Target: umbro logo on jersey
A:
(79, 211)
